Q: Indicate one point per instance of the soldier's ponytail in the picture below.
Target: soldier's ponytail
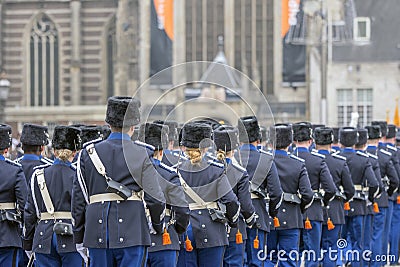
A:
(64, 154)
(221, 155)
(194, 155)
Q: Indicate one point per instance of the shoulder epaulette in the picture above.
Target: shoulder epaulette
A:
(337, 156)
(317, 154)
(266, 152)
(362, 154)
(392, 148)
(166, 167)
(73, 166)
(237, 166)
(42, 166)
(92, 141)
(372, 155)
(211, 162)
(46, 160)
(210, 156)
(182, 156)
(13, 162)
(139, 143)
(385, 152)
(297, 158)
(314, 150)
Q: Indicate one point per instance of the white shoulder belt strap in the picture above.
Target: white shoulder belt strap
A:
(94, 157)
(44, 192)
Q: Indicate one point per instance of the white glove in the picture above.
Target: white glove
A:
(29, 253)
(83, 252)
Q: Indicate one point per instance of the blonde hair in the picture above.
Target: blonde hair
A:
(64, 154)
(194, 155)
(221, 155)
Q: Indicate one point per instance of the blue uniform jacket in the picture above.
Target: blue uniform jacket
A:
(13, 189)
(320, 178)
(116, 224)
(260, 164)
(38, 234)
(341, 177)
(174, 194)
(294, 180)
(361, 174)
(29, 162)
(209, 181)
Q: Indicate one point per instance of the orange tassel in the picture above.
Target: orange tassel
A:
(398, 199)
(256, 243)
(276, 222)
(330, 224)
(166, 239)
(307, 224)
(376, 207)
(239, 237)
(188, 244)
(346, 206)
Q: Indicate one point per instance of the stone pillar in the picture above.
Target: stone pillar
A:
(122, 36)
(76, 35)
(229, 31)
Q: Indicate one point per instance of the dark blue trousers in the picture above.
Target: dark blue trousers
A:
(377, 234)
(234, 254)
(22, 258)
(329, 244)
(367, 236)
(395, 234)
(286, 240)
(130, 256)
(55, 259)
(386, 231)
(312, 242)
(162, 258)
(355, 229)
(252, 258)
(9, 256)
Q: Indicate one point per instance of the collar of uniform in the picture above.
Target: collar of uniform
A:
(248, 147)
(156, 161)
(389, 144)
(349, 150)
(228, 161)
(30, 157)
(281, 152)
(359, 150)
(301, 149)
(260, 147)
(324, 152)
(381, 144)
(119, 136)
(61, 162)
(167, 151)
(336, 148)
(2, 157)
(371, 147)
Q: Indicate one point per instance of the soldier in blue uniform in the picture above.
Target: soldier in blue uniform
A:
(88, 133)
(107, 201)
(164, 252)
(294, 182)
(208, 191)
(47, 220)
(361, 174)
(264, 179)
(13, 189)
(320, 179)
(33, 138)
(226, 141)
(389, 179)
(344, 192)
(396, 253)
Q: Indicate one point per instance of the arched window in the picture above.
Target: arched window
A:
(43, 89)
(111, 55)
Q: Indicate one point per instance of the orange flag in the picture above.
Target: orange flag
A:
(396, 119)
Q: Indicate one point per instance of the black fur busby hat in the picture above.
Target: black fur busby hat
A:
(172, 127)
(212, 122)
(374, 131)
(5, 136)
(348, 136)
(34, 135)
(263, 134)
(196, 135)
(66, 137)
(392, 131)
(106, 131)
(122, 111)
(335, 135)
(362, 137)
(154, 134)
(91, 132)
(315, 126)
(249, 130)
(226, 138)
(283, 135)
(302, 131)
(383, 125)
(323, 136)
(398, 135)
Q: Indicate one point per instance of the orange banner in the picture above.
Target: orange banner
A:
(165, 14)
(290, 8)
